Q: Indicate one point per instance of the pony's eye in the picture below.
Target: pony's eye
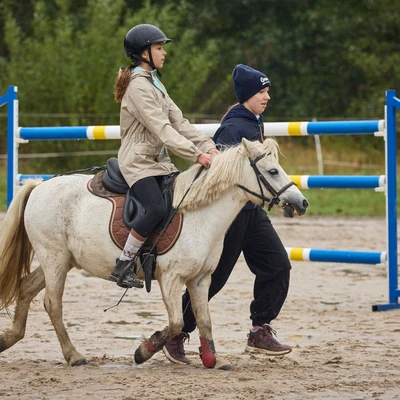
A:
(273, 171)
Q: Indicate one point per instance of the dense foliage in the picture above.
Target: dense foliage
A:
(326, 59)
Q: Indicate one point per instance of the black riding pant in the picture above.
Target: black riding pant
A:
(148, 192)
(251, 232)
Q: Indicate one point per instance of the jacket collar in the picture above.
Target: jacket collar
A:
(153, 75)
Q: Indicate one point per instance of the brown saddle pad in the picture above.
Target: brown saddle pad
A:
(118, 231)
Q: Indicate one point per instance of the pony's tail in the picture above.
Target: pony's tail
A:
(16, 251)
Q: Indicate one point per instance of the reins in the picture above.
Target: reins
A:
(77, 171)
(173, 214)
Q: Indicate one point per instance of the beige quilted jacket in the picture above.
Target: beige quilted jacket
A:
(150, 124)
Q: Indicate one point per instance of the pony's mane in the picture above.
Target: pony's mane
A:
(225, 171)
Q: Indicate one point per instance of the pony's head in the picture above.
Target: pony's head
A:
(251, 166)
(267, 182)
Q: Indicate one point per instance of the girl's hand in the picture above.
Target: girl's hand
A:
(205, 160)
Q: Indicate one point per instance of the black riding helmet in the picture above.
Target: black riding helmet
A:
(140, 38)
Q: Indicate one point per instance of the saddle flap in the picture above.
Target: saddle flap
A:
(119, 231)
(111, 185)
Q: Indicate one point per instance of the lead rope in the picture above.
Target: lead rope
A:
(161, 233)
(77, 171)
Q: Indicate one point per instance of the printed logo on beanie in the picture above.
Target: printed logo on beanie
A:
(264, 80)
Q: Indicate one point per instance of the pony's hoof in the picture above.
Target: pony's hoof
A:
(226, 367)
(144, 352)
(151, 346)
(79, 363)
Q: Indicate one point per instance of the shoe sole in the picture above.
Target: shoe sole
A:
(250, 349)
(174, 360)
(124, 284)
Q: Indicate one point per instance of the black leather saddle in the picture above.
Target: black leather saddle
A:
(114, 181)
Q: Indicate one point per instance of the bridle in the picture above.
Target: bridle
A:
(261, 179)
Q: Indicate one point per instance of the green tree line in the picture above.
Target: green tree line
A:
(326, 59)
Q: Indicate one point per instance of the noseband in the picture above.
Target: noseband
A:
(261, 179)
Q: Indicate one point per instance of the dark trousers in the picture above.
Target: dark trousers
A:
(148, 191)
(251, 232)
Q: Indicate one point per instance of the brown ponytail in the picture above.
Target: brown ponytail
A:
(229, 108)
(121, 82)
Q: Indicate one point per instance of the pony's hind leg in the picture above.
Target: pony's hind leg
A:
(198, 290)
(31, 285)
(55, 272)
(171, 289)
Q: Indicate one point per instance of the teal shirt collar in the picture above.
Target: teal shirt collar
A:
(154, 78)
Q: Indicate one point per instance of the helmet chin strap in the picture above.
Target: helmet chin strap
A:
(150, 62)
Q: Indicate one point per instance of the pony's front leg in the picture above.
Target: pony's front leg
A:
(198, 290)
(171, 289)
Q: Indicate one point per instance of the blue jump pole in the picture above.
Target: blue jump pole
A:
(302, 181)
(54, 133)
(22, 177)
(339, 256)
(271, 129)
(338, 181)
(342, 127)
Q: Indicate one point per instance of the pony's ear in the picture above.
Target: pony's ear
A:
(249, 148)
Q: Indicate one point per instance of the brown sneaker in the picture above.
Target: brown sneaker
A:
(263, 341)
(174, 349)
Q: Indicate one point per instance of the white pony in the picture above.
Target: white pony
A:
(65, 226)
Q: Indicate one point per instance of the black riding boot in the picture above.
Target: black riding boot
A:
(124, 276)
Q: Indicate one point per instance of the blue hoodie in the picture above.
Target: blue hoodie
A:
(237, 124)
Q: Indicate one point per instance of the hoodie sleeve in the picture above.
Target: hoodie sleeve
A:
(227, 135)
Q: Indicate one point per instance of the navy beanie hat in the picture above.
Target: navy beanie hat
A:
(247, 82)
